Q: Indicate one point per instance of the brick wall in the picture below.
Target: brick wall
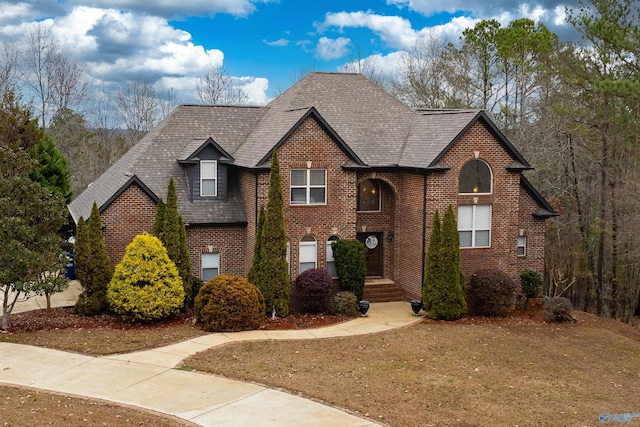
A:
(310, 143)
(132, 213)
(504, 199)
(228, 241)
(534, 230)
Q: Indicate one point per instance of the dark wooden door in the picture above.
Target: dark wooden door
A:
(373, 243)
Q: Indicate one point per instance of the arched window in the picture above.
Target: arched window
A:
(475, 178)
(369, 196)
(331, 262)
(308, 253)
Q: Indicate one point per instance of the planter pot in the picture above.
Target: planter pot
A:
(416, 306)
(363, 306)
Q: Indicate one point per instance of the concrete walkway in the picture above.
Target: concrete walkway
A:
(148, 379)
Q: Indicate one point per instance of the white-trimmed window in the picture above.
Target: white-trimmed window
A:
(208, 178)
(210, 265)
(475, 178)
(369, 196)
(331, 262)
(474, 226)
(521, 246)
(308, 253)
(308, 186)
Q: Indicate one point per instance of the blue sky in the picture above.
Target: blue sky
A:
(264, 44)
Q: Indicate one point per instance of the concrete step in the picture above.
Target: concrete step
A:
(382, 290)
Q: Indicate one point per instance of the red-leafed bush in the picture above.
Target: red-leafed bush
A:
(313, 288)
(491, 292)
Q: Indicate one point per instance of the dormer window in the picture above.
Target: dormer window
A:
(208, 178)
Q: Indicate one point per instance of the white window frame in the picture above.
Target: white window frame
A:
(205, 265)
(329, 255)
(303, 255)
(213, 178)
(474, 229)
(307, 186)
(521, 243)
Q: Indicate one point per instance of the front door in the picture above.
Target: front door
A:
(373, 243)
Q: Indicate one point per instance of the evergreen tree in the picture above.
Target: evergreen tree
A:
(253, 274)
(172, 233)
(17, 127)
(81, 255)
(443, 291)
(433, 263)
(52, 171)
(274, 281)
(158, 223)
(452, 276)
(93, 299)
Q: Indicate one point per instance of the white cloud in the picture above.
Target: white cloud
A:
(255, 88)
(172, 9)
(386, 65)
(332, 48)
(395, 31)
(277, 43)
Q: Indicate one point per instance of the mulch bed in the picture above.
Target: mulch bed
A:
(66, 318)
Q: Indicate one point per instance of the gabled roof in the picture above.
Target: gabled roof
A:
(373, 129)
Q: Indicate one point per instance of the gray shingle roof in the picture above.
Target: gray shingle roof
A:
(376, 128)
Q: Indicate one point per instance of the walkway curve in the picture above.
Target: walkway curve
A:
(148, 379)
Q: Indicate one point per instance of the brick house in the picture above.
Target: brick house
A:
(356, 164)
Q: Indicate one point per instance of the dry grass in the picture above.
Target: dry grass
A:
(467, 373)
(26, 407)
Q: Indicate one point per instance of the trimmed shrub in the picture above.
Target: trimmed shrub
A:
(313, 288)
(351, 265)
(558, 309)
(345, 303)
(531, 282)
(146, 285)
(229, 303)
(492, 292)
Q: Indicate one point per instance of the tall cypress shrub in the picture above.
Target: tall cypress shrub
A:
(443, 291)
(274, 281)
(174, 239)
(452, 276)
(432, 265)
(253, 274)
(93, 299)
(158, 222)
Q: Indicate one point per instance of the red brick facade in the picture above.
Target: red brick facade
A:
(404, 219)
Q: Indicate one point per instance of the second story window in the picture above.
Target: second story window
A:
(308, 186)
(208, 178)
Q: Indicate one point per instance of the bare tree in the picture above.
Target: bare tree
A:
(368, 67)
(38, 61)
(168, 103)
(217, 87)
(69, 85)
(423, 80)
(137, 106)
(8, 63)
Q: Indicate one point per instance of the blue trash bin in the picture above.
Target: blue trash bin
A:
(70, 270)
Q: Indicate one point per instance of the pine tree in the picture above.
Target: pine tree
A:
(158, 222)
(274, 281)
(93, 299)
(253, 274)
(52, 171)
(172, 233)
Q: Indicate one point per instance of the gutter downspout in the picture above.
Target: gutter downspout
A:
(424, 227)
